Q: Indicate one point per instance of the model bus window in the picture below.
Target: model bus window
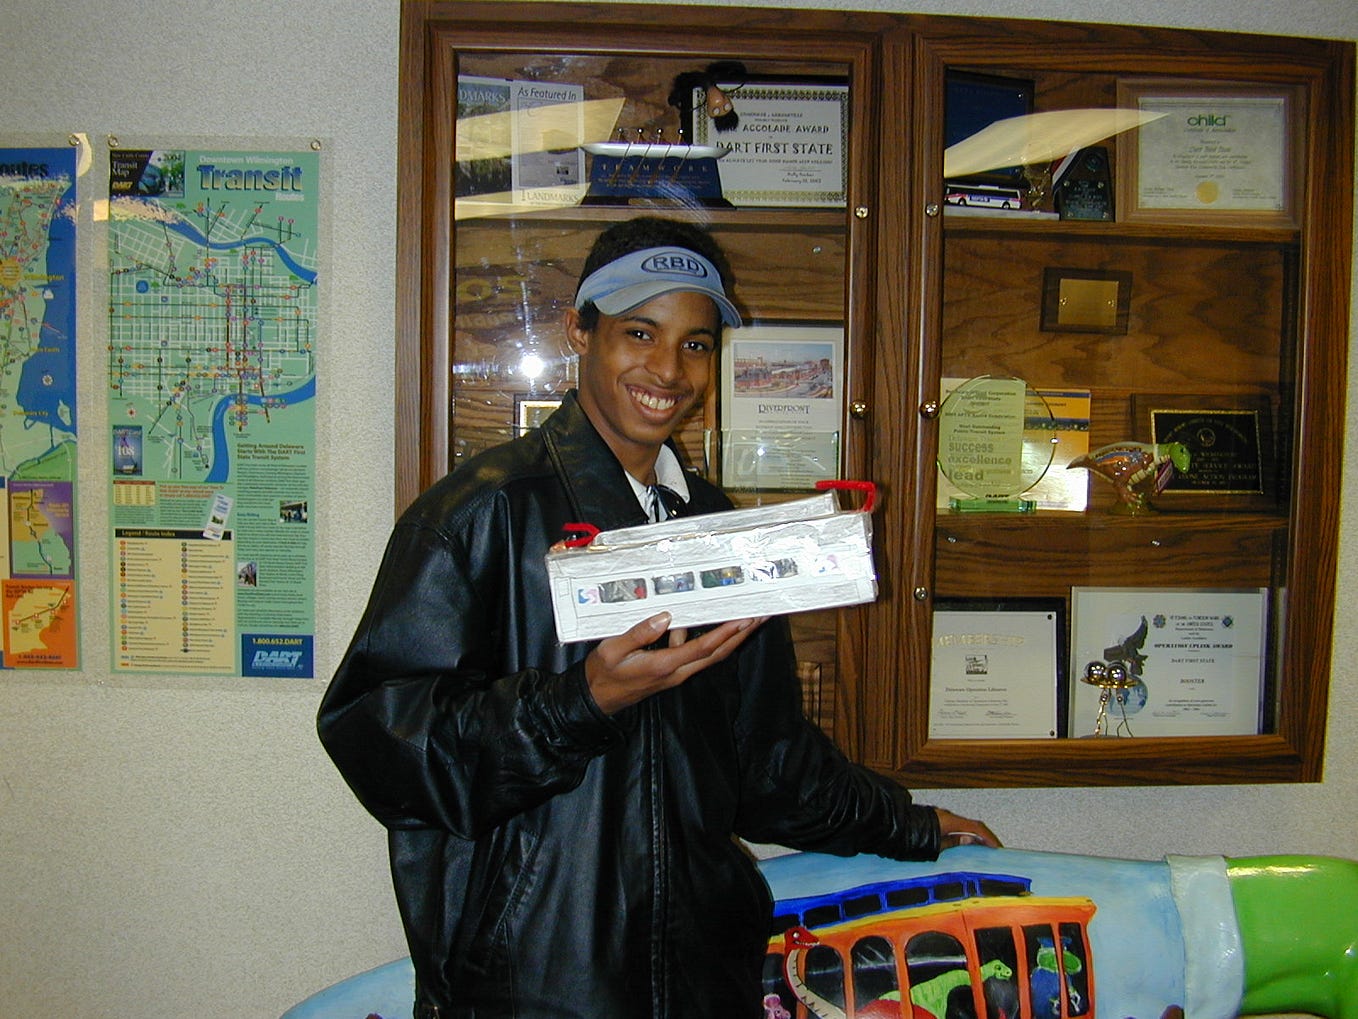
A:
(900, 898)
(822, 916)
(775, 985)
(876, 992)
(999, 886)
(950, 891)
(823, 977)
(1050, 972)
(1077, 973)
(863, 905)
(940, 984)
(998, 958)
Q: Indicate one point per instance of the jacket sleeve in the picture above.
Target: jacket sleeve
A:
(418, 718)
(798, 788)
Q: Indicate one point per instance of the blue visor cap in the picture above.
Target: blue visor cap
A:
(632, 280)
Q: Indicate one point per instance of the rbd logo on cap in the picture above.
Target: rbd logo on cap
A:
(678, 262)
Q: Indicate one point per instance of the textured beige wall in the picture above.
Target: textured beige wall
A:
(181, 847)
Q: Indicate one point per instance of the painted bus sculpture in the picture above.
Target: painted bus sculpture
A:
(1008, 934)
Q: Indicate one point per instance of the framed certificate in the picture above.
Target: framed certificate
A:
(997, 669)
(1192, 661)
(782, 404)
(789, 147)
(1218, 151)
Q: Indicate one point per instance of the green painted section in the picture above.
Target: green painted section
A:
(1298, 920)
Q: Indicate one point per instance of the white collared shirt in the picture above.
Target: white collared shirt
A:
(669, 473)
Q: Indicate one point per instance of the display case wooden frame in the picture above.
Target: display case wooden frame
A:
(894, 239)
(1307, 273)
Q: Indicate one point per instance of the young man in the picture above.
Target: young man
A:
(561, 817)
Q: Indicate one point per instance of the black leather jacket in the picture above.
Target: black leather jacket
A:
(549, 860)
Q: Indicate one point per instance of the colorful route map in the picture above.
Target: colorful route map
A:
(212, 270)
(38, 233)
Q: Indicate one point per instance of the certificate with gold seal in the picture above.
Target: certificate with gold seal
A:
(1214, 150)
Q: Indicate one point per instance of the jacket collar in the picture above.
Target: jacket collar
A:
(595, 482)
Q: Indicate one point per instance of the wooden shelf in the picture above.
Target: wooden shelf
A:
(1112, 761)
(1044, 555)
(1174, 234)
(712, 216)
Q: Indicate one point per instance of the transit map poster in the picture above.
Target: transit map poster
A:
(38, 249)
(212, 270)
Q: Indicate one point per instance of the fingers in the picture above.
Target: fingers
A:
(722, 642)
(724, 639)
(957, 831)
(622, 671)
(615, 649)
(968, 838)
(691, 656)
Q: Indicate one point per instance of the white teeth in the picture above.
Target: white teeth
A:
(653, 402)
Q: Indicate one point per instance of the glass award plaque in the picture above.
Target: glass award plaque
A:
(996, 440)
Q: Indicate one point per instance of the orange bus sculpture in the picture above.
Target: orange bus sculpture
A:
(1007, 934)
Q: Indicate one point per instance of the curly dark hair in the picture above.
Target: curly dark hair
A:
(649, 232)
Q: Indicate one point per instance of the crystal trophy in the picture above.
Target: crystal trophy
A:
(996, 439)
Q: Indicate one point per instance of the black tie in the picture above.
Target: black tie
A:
(665, 503)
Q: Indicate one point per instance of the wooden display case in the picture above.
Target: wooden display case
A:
(1228, 308)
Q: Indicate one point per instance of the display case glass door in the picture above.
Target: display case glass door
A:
(1112, 412)
(539, 144)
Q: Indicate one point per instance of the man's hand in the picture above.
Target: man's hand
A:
(621, 672)
(961, 831)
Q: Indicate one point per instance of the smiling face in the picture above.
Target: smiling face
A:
(643, 371)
